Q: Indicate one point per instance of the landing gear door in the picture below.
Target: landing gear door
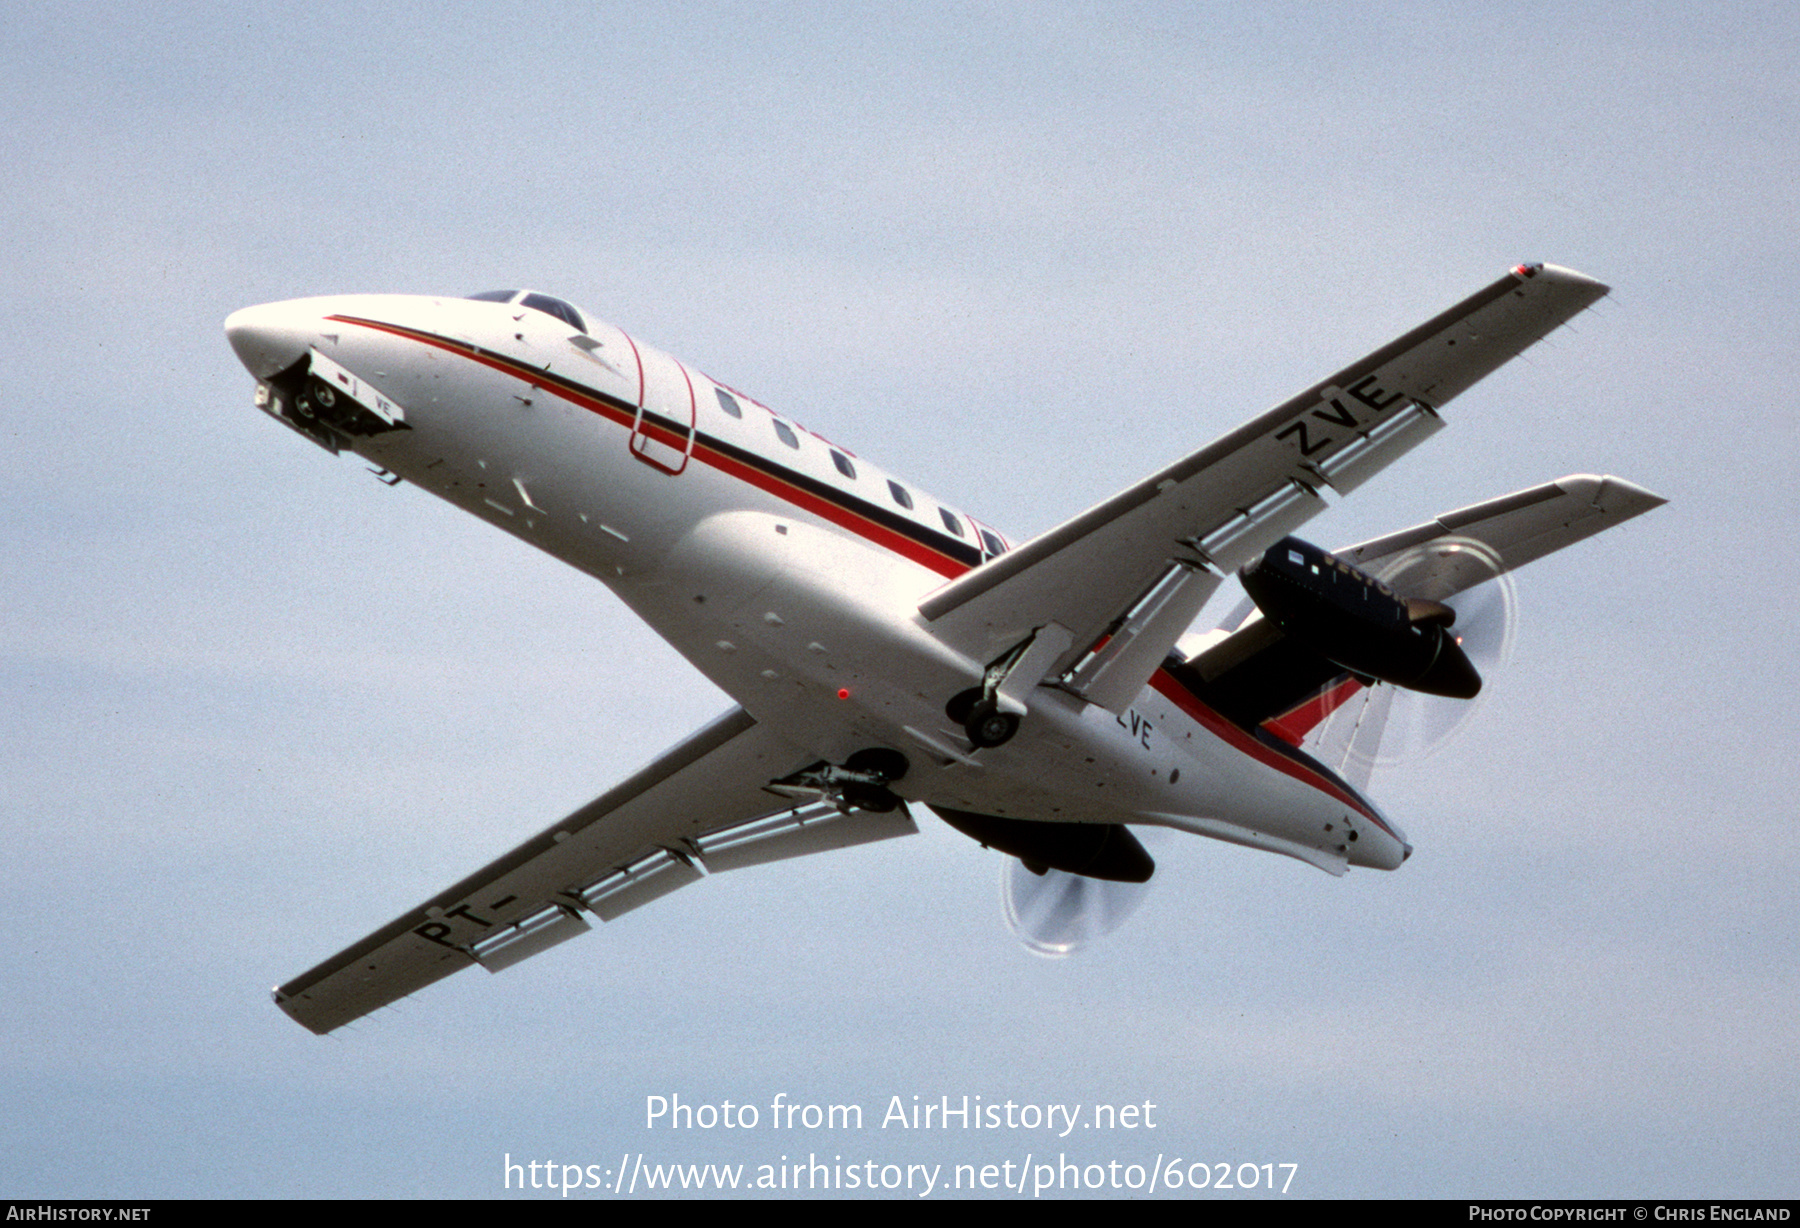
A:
(662, 436)
(328, 404)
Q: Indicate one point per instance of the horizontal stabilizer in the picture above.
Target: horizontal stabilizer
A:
(1518, 528)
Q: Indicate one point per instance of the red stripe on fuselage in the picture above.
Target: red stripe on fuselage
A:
(870, 530)
(774, 484)
(862, 526)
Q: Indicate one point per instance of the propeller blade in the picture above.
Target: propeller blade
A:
(1389, 725)
(1056, 913)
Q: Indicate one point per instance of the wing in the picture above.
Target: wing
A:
(1110, 591)
(699, 808)
(1256, 674)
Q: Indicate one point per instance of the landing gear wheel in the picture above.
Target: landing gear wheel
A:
(890, 765)
(870, 797)
(962, 704)
(988, 726)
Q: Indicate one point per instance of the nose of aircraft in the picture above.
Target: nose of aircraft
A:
(273, 337)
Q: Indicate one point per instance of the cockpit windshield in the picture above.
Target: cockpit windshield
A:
(560, 308)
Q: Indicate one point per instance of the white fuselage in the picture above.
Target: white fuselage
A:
(788, 572)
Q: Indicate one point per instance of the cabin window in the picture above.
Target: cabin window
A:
(900, 495)
(951, 522)
(728, 403)
(786, 432)
(843, 464)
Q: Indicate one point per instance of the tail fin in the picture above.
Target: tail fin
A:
(1349, 740)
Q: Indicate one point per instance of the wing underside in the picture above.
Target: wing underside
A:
(700, 808)
(1121, 582)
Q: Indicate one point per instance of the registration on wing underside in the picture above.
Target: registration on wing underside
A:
(700, 808)
(1220, 507)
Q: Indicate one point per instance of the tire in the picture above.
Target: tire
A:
(988, 726)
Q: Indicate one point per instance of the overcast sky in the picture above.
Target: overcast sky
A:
(255, 704)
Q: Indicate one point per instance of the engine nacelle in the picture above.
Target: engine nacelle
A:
(1094, 850)
(1354, 620)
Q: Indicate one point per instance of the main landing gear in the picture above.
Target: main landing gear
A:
(978, 710)
(861, 783)
(981, 718)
